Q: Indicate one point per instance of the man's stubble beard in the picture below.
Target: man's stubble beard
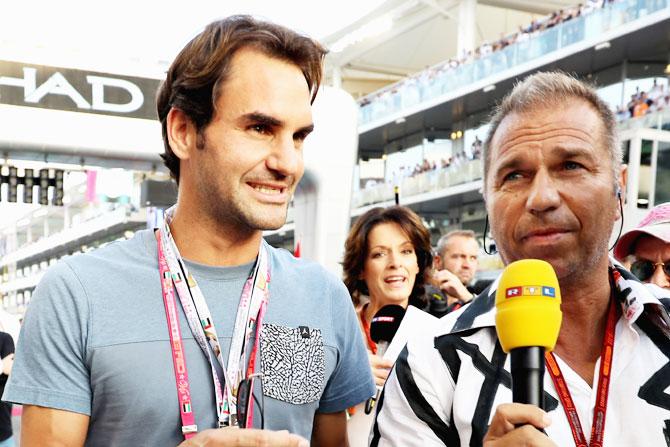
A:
(232, 212)
(229, 212)
(575, 270)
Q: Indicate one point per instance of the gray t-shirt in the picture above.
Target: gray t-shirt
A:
(95, 341)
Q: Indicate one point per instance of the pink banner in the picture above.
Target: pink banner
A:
(91, 177)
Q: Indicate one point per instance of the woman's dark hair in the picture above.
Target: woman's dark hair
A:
(356, 249)
(194, 80)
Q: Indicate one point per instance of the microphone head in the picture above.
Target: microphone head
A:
(386, 322)
(528, 305)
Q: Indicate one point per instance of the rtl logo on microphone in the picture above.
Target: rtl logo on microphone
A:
(514, 292)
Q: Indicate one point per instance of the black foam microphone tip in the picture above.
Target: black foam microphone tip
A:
(386, 322)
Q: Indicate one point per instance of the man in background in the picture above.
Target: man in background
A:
(647, 247)
(455, 265)
(7, 356)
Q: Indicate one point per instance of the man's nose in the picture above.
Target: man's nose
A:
(544, 194)
(660, 278)
(286, 157)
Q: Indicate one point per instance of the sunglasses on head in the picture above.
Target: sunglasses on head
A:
(245, 394)
(644, 269)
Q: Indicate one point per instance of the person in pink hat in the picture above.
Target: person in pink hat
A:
(649, 245)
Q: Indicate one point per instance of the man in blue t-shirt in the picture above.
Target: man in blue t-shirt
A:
(7, 356)
(200, 324)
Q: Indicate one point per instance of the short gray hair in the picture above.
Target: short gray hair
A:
(546, 89)
(444, 240)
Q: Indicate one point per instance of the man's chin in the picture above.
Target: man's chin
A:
(271, 226)
(266, 220)
(558, 262)
(267, 223)
(466, 281)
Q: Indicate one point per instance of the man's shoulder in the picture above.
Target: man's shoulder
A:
(108, 263)
(307, 288)
(117, 253)
(470, 327)
(460, 327)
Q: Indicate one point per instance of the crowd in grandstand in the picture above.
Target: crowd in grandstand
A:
(642, 103)
(448, 162)
(534, 28)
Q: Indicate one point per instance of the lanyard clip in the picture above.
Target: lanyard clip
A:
(186, 429)
(228, 421)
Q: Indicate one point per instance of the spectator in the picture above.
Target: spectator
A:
(476, 148)
(622, 113)
(656, 91)
(663, 103)
(641, 105)
(649, 245)
(454, 268)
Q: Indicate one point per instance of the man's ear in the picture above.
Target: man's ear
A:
(181, 132)
(623, 180)
(437, 262)
(621, 187)
(621, 183)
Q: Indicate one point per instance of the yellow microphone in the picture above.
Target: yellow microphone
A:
(528, 319)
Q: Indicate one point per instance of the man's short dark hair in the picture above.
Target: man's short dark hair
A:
(194, 80)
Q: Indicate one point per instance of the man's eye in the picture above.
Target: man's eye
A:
(260, 128)
(512, 176)
(300, 136)
(572, 165)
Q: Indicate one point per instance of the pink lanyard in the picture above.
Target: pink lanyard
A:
(251, 309)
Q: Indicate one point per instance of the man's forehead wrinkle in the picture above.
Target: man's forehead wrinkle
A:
(528, 134)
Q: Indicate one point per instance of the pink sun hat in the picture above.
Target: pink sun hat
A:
(656, 224)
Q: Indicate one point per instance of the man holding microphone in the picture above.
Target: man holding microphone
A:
(553, 182)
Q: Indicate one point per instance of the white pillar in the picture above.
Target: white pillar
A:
(45, 226)
(337, 77)
(467, 24)
(67, 222)
(322, 203)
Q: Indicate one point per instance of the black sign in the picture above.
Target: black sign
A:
(77, 90)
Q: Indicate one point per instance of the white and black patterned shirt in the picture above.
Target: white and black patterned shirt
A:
(444, 390)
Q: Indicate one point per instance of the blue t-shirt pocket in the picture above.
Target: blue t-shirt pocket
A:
(293, 363)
